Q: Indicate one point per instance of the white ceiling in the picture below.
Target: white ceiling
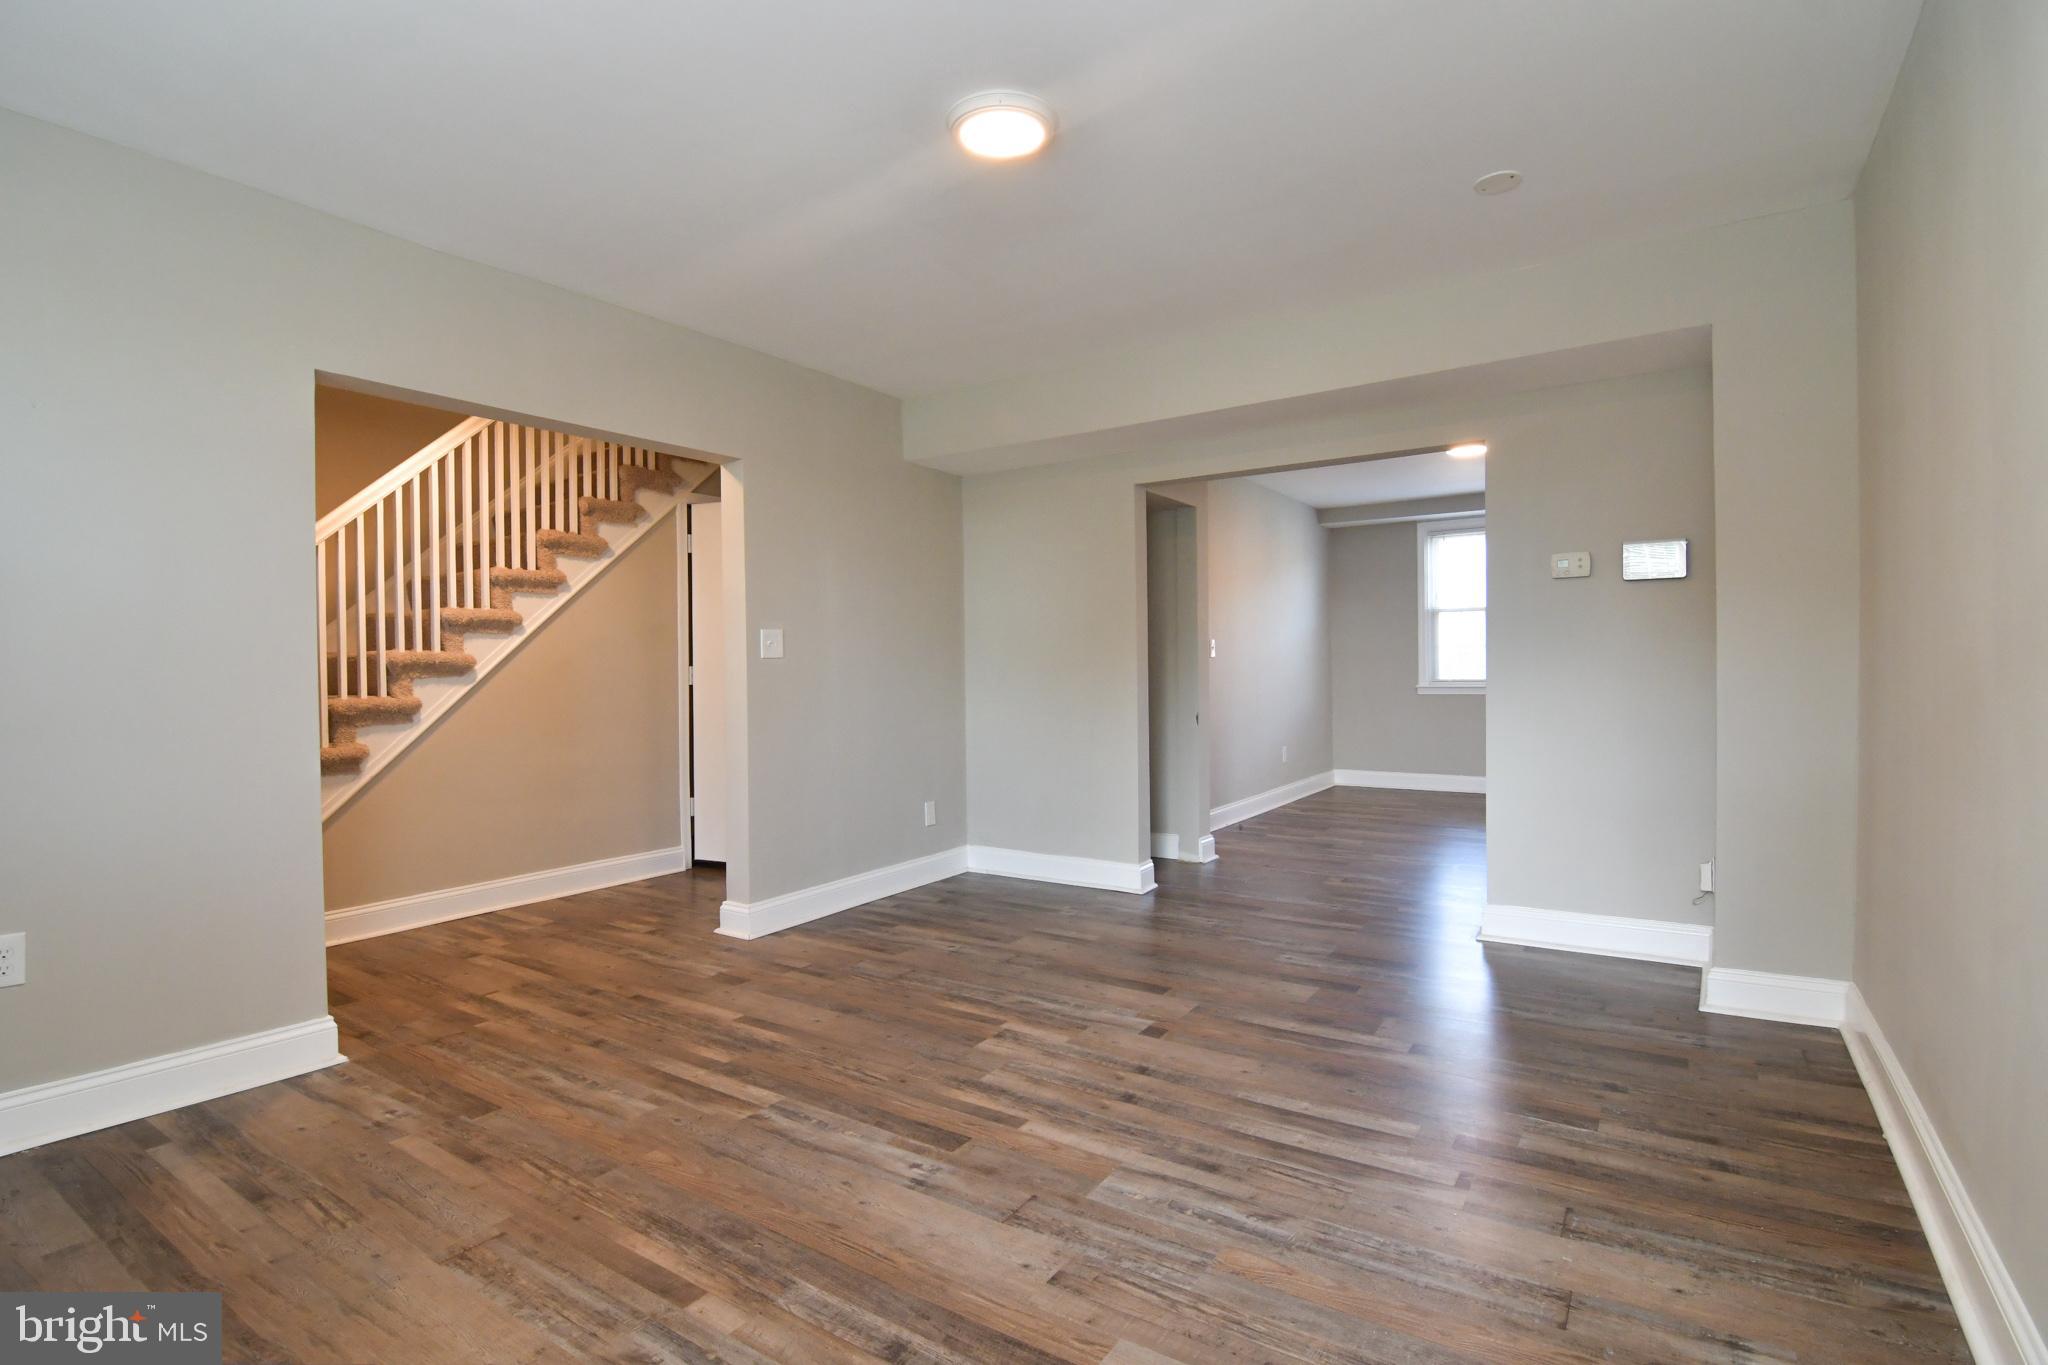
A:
(1367, 481)
(780, 175)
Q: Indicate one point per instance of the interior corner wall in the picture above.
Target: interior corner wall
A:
(163, 329)
(1600, 761)
(1952, 929)
(567, 754)
(1379, 722)
(1269, 682)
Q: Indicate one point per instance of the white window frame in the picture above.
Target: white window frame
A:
(1425, 619)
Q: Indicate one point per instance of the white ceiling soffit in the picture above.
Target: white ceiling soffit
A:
(1403, 478)
(781, 175)
(1323, 416)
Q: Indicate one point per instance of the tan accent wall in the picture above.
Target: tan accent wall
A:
(566, 754)
(358, 436)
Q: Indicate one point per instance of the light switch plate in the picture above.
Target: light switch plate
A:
(1571, 564)
(771, 642)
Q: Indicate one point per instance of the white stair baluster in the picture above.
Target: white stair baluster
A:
(362, 618)
(320, 634)
(383, 682)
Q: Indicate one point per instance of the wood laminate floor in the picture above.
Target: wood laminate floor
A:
(1283, 1109)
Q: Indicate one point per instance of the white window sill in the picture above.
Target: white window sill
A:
(1451, 689)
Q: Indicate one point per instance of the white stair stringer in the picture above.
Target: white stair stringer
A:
(439, 696)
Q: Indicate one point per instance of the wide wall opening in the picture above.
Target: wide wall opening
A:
(510, 619)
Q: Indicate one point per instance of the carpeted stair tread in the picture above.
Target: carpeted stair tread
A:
(611, 509)
(633, 478)
(428, 663)
(571, 543)
(354, 711)
(343, 758)
(490, 620)
(529, 580)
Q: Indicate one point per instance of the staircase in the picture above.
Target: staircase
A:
(433, 575)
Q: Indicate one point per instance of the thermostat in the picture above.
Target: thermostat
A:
(1571, 564)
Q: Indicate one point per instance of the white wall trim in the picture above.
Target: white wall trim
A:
(1239, 811)
(37, 1114)
(1411, 782)
(1773, 995)
(434, 907)
(1995, 1320)
(1573, 931)
(1096, 873)
(1167, 846)
(737, 920)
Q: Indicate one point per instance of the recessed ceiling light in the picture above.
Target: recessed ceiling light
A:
(1471, 450)
(1001, 125)
(1500, 182)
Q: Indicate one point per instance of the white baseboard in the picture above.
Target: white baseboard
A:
(1096, 873)
(1411, 782)
(736, 920)
(1239, 811)
(1773, 995)
(1995, 1320)
(434, 907)
(44, 1113)
(1167, 846)
(1572, 931)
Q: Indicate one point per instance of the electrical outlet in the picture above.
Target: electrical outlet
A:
(1706, 877)
(1283, 753)
(931, 813)
(13, 959)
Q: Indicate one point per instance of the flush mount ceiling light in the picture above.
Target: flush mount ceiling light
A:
(1471, 450)
(1500, 182)
(1001, 125)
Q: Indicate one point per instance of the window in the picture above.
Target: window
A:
(1452, 560)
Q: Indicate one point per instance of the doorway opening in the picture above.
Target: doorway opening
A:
(504, 620)
(1309, 628)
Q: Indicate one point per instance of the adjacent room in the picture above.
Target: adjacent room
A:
(1154, 684)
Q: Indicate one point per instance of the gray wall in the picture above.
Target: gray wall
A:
(1600, 693)
(1055, 590)
(1269, 684)
(1378, 721)
(1952, 932)
(160, 828)
(1176, 672)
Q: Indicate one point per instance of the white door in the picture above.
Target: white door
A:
(707, 692)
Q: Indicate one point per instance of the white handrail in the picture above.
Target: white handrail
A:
(397, 475)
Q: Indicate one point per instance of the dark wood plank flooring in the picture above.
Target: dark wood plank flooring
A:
(1284, 1109)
